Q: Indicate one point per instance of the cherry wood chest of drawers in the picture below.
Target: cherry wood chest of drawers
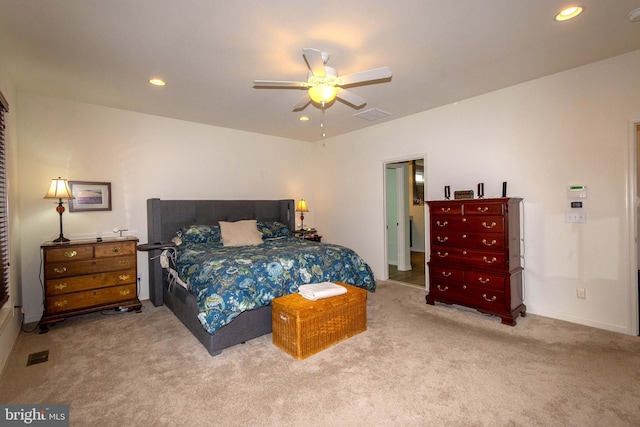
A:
(475, 256)
(86, 275)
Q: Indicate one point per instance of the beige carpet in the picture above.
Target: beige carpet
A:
(416, 365)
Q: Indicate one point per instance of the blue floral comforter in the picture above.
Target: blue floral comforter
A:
(229, 280)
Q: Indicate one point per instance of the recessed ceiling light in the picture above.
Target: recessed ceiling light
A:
(569, 13)
(158, 82)
(304, 119)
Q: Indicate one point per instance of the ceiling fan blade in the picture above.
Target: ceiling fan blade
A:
(365, 76)
(351, 98)
(302, 104)
(315, 62)
(273, 83)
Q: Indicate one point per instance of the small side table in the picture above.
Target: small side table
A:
(311, 235)
(158, 246)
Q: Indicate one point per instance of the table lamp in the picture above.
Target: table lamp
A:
(302, 208)
(59, 189)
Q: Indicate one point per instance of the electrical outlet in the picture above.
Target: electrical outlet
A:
(575, 217)
(581, 293)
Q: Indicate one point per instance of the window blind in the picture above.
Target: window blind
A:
(4, 229)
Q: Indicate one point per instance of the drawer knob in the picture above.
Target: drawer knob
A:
(481, 280)
(125, 292)
(115, 250)
(489, 261)
(482, 209)
(442, 224)
(493, 298)
(124, 277)
(441, 289)
(442, 255)
(485, 225)
(59, 286)
(124, 262)
(61, 303)
(70, 254)
(60, 269)
(442, 239)
(445, 209)
(493, 242)
(446, 274)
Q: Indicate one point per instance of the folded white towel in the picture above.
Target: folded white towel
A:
(316, 291)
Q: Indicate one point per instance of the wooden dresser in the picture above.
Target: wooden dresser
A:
(475, 256)
(87, 275)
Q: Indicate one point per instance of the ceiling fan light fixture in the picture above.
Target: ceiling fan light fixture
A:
(569, 13)
(323, 93)
(157, 82)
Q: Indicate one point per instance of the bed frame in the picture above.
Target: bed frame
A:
(164, 218)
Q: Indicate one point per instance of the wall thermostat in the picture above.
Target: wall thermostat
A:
(577, 192)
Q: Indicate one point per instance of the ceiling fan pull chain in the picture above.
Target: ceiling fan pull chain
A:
(322, 121)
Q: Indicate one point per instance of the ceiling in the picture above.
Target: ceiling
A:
(209, 52)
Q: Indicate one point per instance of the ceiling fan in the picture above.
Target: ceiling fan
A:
(324, 84)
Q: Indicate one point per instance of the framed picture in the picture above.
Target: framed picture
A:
(90, 196)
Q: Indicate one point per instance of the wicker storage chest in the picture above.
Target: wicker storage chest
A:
(302, 327)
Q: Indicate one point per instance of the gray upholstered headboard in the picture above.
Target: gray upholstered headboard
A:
(165, 217)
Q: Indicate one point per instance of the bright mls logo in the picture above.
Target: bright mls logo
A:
(34, 415)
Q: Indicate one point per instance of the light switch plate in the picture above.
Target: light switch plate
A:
(575, 217)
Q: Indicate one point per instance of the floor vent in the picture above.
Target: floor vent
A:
(39, 357)
(372, 114)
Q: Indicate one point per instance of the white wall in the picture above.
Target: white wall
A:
(142, 156)
(540, 136)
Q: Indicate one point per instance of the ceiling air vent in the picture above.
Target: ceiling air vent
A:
(372, 114)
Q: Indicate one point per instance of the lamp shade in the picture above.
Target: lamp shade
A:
(59, 189)
(322, 93)
(302, 206)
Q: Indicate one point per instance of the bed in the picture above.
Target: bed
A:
(231, 288)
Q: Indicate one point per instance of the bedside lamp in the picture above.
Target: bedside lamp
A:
(59, 189)
(302, 208)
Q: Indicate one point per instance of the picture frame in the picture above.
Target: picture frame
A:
(90, 196)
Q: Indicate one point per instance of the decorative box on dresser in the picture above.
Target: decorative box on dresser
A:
(83, 276)
(476, 257)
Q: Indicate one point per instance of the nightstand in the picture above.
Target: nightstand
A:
(83, 276)
(311, 235)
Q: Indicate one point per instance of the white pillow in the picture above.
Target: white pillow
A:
(240, 233)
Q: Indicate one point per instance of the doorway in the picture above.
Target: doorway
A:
(636, 204)
(405, 221)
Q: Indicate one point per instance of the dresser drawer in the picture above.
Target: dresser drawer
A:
(444, 274)
(483, 208)
(484, 224)
(115, 249)
(484, 280)
(446, 208)
(491, 241)
(487, 298)
(66, 269)
(484, 259)
(69, 253)
(81, 300)
(93, 281)
(441, 223)
(446, 290)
